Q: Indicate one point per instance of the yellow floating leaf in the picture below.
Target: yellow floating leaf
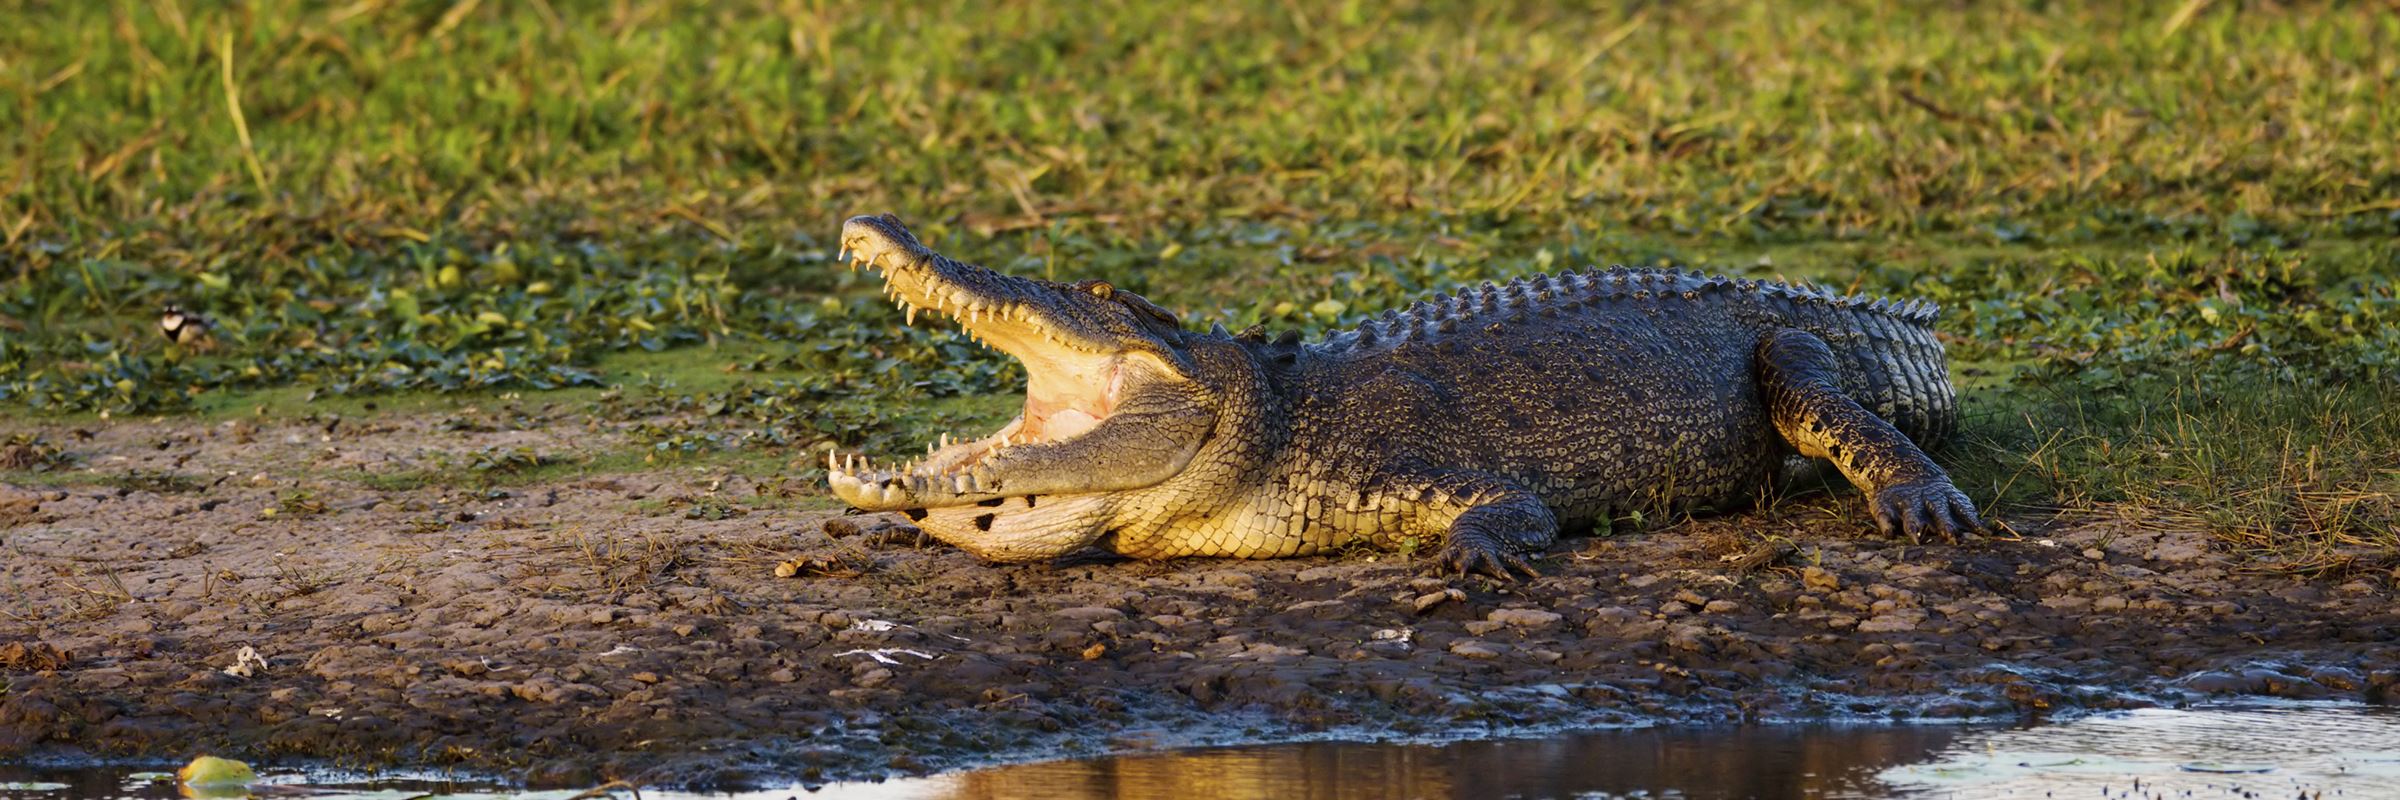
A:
(210, 776)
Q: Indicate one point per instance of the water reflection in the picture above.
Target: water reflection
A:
(1785, 761)
(2279, 751)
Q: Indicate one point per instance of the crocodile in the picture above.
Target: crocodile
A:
(1483, 422)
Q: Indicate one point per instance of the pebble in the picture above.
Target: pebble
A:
(1888, 623)
(1089, 615)
(1427, 602)
(1475, 648)
(1529, 618)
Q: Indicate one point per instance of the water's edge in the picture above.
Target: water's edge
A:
(2340, 749)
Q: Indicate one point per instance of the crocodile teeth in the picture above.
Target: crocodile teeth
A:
(909, 311)
(960, 485)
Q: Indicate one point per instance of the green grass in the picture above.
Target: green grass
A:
(2144, 219)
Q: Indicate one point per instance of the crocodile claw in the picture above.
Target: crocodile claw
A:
(1916, 509)
(1480, 556)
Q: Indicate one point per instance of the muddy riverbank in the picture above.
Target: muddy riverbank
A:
(273, 591)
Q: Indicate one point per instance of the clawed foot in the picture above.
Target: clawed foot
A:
(1478, 555)
(1917, 509)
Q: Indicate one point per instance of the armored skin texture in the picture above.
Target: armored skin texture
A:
(1482, 422)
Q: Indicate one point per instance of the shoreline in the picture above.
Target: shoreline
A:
(563, 633)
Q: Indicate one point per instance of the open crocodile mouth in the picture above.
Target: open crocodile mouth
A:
(1072, 384)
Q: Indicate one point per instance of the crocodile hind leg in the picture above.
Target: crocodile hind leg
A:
(1905, 491)
(1488, 523)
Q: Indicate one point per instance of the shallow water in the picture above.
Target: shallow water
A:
(2329, 751)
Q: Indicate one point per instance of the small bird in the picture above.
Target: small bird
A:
(182, 327)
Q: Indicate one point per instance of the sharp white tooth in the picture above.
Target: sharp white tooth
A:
(959, 484)
(909, 311)
(845, 255)
(894, 493)
(945, 439)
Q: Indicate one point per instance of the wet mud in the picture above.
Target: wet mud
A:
(272, 591)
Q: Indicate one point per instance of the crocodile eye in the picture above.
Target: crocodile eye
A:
(1100, 289)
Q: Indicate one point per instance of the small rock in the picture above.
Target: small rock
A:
(1426, 602)
(2109, 603)
(1483, 627)
(1476, 648)
(1722, 607)
(1817, 579)
(872, 678)
(1088, 615)
(1237, 580)
(1528, 618)
(645, 677)
(1888, 623)
(2094, 554)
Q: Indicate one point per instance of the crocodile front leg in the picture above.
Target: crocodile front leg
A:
(1488, 523)
(1905, 491)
